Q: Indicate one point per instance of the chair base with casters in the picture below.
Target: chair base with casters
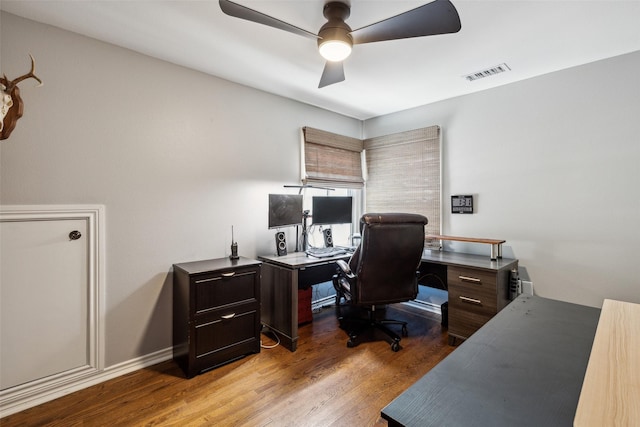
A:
(356, 327)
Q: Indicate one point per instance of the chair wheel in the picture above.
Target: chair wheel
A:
(351, 344)
(405, 332)
(395, 346)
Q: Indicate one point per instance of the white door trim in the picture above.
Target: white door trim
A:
(34, 392)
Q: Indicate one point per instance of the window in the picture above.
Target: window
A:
(332, 161)
(403, 174)
(402, 171)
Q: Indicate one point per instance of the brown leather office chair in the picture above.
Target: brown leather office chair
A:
(382, 270)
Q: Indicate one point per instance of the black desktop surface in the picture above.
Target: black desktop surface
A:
(524, 367)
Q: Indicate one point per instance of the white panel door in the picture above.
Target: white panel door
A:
(44, 299)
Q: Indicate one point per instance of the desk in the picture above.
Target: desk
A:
(523, 368)
(478, 288)
(611, 389)
(282, 276)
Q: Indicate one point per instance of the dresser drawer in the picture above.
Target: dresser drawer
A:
(216, 333)
(222, 340)
(471, 280)
(478, 303)
(220, 289)
(463, 323)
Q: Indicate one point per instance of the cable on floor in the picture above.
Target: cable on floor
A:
(275, 337)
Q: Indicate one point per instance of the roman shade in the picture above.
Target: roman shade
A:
(331, 160)
(403, 174)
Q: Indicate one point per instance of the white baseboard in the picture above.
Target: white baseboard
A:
(424, 305)
(318, 304)
(19, 398)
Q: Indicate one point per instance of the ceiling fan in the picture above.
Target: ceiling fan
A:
(335, 38)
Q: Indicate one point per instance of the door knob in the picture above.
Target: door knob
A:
(75, 235)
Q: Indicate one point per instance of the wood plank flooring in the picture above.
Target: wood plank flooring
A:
(323, 383)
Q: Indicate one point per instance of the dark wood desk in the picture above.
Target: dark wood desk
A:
(282, 276)
(524, 367)
(478, 287)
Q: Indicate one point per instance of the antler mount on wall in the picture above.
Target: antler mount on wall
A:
(12, 106)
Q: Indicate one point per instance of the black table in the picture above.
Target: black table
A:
(525, 367)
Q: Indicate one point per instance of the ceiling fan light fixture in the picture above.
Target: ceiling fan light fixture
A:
(334, 37)
(335, 50)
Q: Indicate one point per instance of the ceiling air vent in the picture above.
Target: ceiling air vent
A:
(488, 72)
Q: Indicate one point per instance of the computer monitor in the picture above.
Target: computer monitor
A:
(331, 210)
(285, 210)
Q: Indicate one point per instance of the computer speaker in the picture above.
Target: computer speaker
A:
(328, 238)
(281, 243)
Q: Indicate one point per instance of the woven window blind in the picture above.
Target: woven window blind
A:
(404, 174)
(331, 159)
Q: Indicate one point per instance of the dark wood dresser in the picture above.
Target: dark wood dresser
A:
(216, 312)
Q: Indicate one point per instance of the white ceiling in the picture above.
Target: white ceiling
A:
(531, 37)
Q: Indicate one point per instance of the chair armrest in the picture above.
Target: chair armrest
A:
(346, 270)
(343, 280)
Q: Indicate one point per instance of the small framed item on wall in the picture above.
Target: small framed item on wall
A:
(462, 204)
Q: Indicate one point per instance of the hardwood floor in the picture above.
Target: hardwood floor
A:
(323, 383)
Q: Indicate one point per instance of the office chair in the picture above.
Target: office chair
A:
(383, 270)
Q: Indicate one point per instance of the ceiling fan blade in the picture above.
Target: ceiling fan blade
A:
(438, 17)
(333, 73)
(238, 11)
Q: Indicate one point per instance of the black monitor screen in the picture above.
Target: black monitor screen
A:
(331, 210)
(285, 210)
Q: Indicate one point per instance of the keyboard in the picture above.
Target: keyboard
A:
(349, 249)
(325, 252)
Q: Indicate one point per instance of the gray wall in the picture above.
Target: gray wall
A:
(176, 157)
(553, 163)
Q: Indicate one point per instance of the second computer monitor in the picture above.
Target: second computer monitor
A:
(331, 210)
(285, 210)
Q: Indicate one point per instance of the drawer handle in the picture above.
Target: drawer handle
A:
(229, 316)
(470, 279)
(470, 300)
(229, 274)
